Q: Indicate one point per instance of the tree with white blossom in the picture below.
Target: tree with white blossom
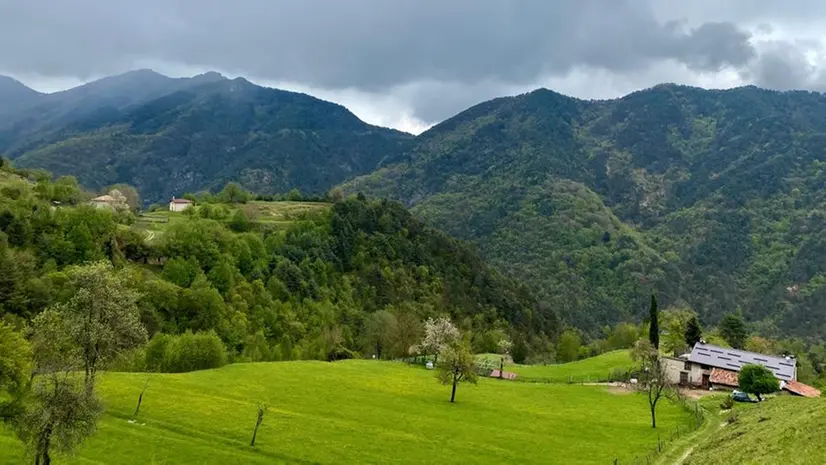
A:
(439, 333)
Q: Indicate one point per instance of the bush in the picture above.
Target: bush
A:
(190, 352)
(185, 352)
(131, 361)
(156, 352)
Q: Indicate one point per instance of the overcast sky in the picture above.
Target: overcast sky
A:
(411, 63)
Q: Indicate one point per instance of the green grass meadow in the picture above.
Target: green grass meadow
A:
(359, 411)
(594, 368)
(783, 429)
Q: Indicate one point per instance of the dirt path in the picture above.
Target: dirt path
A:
(685, 455)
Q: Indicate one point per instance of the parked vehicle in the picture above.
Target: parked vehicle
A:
(740, 396)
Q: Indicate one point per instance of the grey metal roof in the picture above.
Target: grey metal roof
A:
(733, 359)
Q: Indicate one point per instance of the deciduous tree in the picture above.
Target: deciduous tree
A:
(380, 328)
(98, 321)
(758, 380)
(652, 379)
(58, 415)
(439, 333)
(15, 360)
(567, 349)
(457, 366)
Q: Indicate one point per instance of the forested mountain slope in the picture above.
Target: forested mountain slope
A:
(714, 199)
(168, 136)
(327, 285)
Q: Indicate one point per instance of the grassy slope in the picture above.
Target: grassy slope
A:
(785, 429)
(596, 368)
(360, 412)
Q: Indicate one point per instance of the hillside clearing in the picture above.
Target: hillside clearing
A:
(277, 215)
(359, 412)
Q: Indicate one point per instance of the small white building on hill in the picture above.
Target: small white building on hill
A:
(179, 205)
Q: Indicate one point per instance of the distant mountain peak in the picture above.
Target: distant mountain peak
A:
(14, 93)
(9, 83)
(210, 76)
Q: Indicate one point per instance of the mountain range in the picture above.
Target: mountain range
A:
(169, 136)
(713, 199)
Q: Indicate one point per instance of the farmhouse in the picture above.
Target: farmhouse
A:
(114, 200)
(713, 367)
(103, 201)
(179, 205)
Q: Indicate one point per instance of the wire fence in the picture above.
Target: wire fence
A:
(617, 376)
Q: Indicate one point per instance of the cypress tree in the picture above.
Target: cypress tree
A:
(654, 328)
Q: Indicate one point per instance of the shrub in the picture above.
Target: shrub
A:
(185, 352)
(190, 352)
(156, 352)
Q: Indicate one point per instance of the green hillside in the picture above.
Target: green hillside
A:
(598, 368)
(713, 199)
(782, 430)
(274, 280)
(174, 136)
(360, 412)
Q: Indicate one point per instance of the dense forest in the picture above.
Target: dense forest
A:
(712, 199)
(327, 286)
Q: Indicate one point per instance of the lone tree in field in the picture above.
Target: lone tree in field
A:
(652, 379)
(58, 416)
(457, 366)
(438, 335)
(757, 379)
(99, 321)
(654, 328)
(262, 409)
(693, 332)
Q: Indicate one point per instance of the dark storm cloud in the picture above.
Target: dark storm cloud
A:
(364, 44)
(782, 66)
